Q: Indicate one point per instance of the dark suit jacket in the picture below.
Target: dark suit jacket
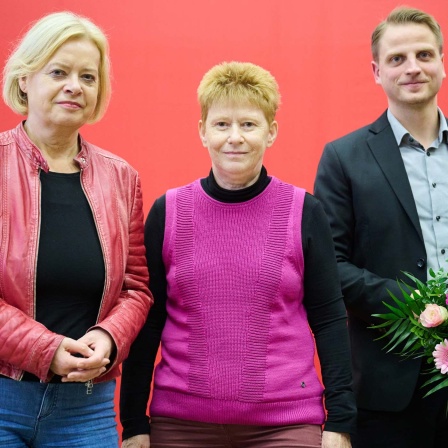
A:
(363, 186)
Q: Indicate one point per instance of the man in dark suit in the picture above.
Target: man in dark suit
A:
(385, 190)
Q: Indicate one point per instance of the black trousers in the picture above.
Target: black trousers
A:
(422, 424)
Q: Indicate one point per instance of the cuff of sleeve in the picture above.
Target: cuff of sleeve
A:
(348, 426)
(136, 426)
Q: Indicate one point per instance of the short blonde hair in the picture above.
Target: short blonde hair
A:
(239, 82)
(402, 16)
(39, 44)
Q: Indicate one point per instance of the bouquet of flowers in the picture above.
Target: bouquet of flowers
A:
(417, 325)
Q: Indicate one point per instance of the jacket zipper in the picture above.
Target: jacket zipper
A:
(39, 200)
(89, 384)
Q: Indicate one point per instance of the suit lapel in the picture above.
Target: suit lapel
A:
(385, 150)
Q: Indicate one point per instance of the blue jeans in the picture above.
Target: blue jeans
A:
(40, 415)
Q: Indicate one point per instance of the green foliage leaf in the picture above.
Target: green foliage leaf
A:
(402, 328)
(413, 341)
(384, 324)
(438, 387)
(395, 311)
(401, 333)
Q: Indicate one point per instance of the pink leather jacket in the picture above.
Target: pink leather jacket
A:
(112, 188)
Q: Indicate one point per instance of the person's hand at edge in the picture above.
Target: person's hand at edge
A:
(139, 441)
(335, 440)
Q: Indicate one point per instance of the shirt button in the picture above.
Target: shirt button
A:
(434, 184)
(428, 153)
(411, 139)
(443, 251)
(421, 262)
(438, 218)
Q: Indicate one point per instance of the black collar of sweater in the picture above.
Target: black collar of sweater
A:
(211, 187)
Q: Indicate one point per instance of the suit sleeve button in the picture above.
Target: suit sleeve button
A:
(420, 262)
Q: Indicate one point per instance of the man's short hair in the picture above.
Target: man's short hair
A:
(404, 15)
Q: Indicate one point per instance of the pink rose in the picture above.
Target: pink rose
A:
(433, 316)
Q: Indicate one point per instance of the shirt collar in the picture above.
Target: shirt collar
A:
(400, 131)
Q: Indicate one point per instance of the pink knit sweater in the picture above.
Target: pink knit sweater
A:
(236, 347)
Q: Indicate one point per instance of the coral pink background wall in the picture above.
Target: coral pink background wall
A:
(319, 52)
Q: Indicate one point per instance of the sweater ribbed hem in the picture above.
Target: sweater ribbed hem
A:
(187, 407)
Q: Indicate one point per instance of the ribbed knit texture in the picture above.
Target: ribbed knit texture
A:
(236, 347)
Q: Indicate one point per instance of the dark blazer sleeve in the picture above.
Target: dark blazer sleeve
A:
(363, 186)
